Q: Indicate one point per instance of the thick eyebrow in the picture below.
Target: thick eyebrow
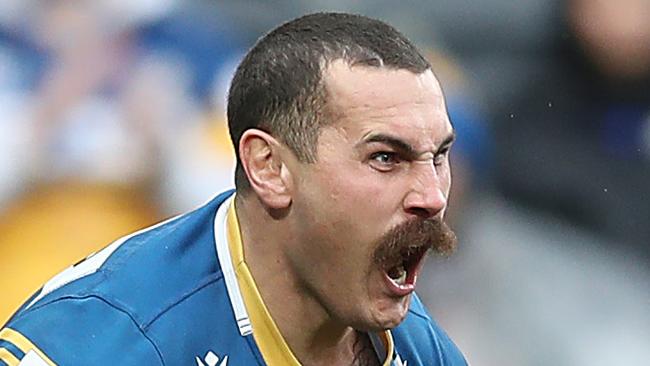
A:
(396, 143)
(402, 146)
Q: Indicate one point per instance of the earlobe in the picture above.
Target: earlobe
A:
(268, 175)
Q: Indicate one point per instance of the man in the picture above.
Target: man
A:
(342, 183)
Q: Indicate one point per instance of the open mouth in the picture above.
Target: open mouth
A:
(402, 274)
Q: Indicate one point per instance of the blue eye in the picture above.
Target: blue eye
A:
(384, 157)
(384, 161)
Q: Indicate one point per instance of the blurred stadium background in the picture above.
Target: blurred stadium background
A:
(112, 118)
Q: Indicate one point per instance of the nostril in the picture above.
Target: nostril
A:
(420, 212)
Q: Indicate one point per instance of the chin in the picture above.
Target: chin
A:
(392, 320)
(389, 315)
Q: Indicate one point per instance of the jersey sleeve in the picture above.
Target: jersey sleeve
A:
(76, 331)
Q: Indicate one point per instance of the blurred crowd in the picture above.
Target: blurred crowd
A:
(112, 118)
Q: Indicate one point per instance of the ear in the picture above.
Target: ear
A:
(262, 158)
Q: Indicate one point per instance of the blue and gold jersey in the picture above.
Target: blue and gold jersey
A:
(179, 293)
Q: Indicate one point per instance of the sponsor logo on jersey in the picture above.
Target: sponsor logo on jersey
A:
(211, 359)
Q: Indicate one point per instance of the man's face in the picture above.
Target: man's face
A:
(374, 200)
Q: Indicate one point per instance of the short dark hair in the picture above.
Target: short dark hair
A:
(278, 85)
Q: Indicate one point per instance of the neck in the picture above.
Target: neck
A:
(313, 335)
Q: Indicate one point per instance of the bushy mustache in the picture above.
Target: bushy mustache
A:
(415, 236)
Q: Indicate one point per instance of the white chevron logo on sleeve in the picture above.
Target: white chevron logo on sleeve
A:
(32, 359)
(398, 361)
(211, 359)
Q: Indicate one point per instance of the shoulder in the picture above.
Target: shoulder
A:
(75, 332)
(419, 340)
(113, 301)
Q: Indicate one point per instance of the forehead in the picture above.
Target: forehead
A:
(363, 100)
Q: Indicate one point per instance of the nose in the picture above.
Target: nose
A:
(427, 197)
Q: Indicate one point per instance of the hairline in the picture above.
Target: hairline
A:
(352, 64)
(300, 125)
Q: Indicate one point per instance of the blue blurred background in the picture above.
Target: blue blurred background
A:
(112, 118)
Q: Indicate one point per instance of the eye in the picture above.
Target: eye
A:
(383, 157)
(441, 157)
(384, 160)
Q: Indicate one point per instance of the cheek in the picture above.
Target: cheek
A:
(444, 175)
(356, 203)
(364, 201)
(446, 181)
(350, 217)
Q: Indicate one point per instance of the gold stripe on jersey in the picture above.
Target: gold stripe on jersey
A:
(270, 342)
(23, 344)
(8, 357)
(387, 339)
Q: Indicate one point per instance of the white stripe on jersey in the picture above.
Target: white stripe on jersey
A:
(225, 260)
(90, 265)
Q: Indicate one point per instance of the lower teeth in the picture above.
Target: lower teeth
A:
(398, 274)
